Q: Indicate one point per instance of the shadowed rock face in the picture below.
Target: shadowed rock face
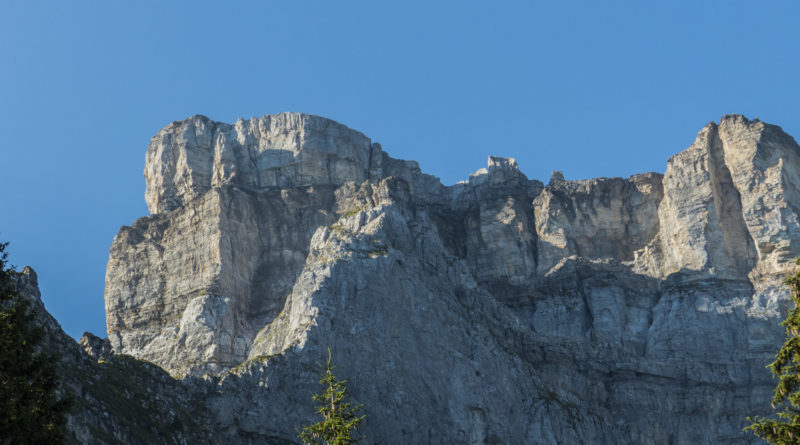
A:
(113, 399)
(497, 310)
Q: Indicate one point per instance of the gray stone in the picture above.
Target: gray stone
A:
(496, 310)
(114, 399)
(95, 347)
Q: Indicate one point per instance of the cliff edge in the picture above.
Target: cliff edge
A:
(497, 310)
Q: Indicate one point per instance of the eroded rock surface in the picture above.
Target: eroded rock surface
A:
(114, 399)
(497, 310)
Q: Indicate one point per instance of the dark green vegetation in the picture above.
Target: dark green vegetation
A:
(340, 418)
(146, 400)
(113, 399)
(31, 411)
(785, 429)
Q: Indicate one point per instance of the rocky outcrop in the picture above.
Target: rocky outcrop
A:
(114, 399)
(497, 310)
(95, 347)
(729, 203)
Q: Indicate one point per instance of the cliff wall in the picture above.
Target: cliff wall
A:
(497, 310)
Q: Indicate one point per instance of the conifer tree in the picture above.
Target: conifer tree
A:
(340, 418)
(785, 429)
(30, 412)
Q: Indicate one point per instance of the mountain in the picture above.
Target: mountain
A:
(114, 399)
(499, 310)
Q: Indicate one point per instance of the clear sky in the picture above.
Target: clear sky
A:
(591, 88)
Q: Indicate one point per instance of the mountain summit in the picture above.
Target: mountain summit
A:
(499, 310)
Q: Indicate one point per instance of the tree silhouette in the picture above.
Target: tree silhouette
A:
(340, 418)
(786, 428)
(30, 412)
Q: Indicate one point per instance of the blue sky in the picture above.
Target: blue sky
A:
(590, 88)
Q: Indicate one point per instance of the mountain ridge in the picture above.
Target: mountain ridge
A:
(495, 310)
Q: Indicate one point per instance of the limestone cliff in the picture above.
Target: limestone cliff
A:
(497, 310)
(115, 399)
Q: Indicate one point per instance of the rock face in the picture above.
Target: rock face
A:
(114, 399)
(495, 311)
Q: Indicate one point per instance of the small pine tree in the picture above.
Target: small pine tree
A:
(30, 412)
(785, 429)
(339, 417)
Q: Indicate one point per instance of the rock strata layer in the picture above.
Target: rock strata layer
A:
(499, 310)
